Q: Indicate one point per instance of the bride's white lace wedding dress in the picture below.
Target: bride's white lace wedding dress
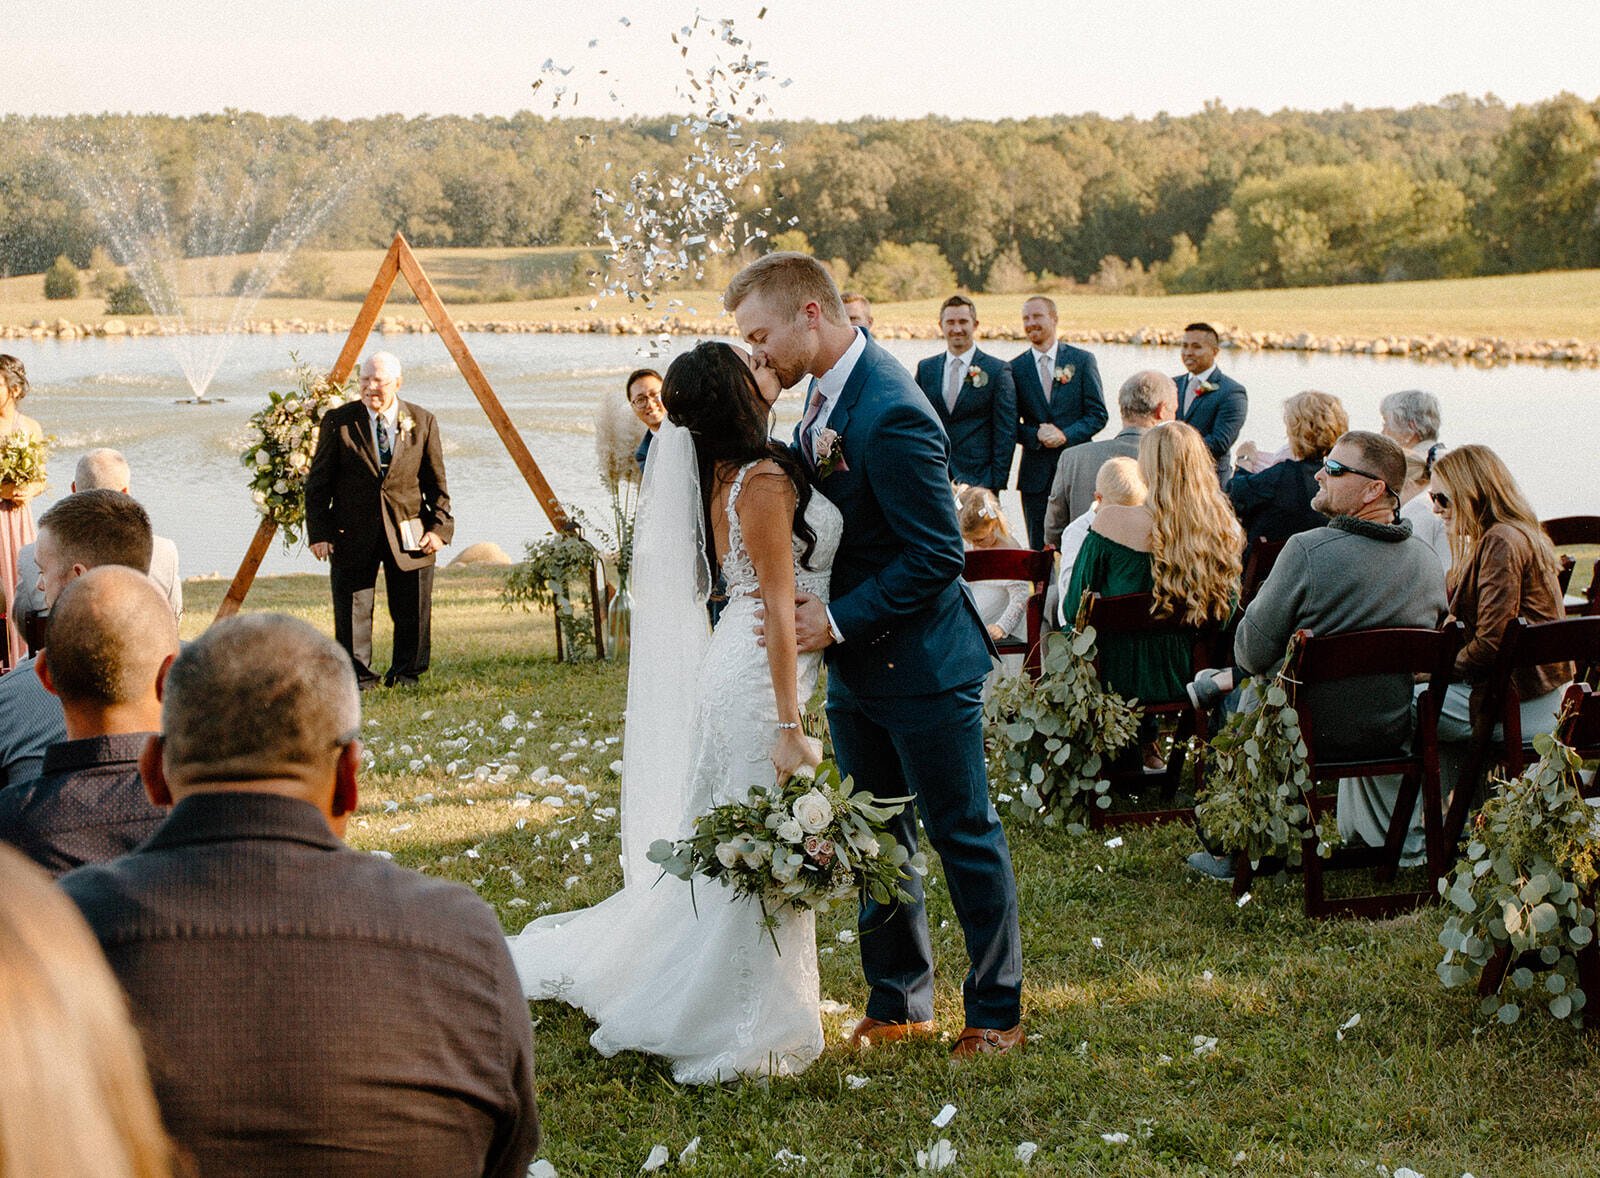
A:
(703, 988)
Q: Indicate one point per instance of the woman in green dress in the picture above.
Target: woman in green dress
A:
(1181, 545)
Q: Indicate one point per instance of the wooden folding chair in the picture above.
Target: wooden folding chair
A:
(1569, 531)
(1130, 615)
(1258, 563)
(1018, 564)
(1579, 730)
(1402, 652)
(1524, 644)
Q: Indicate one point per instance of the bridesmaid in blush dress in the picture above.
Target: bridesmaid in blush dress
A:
(16, 520)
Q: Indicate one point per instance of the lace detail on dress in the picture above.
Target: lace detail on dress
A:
(739, 572)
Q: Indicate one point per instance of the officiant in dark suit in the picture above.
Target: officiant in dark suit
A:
(975, 398)
(1059, 403)
(1213, 403)
(376, 498)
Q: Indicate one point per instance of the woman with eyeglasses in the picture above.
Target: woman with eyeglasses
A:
(1503, 567)
(1417, 509)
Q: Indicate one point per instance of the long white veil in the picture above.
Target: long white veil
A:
(670, 633)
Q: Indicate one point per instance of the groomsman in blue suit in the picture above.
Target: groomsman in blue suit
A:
(643, 390)
(906, 651)
(1214, 404)
(975, 398)
(1060, 403)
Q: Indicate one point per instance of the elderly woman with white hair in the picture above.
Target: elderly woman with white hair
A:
(1411, 418)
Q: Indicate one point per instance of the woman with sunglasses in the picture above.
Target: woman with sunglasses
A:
(1503, 567)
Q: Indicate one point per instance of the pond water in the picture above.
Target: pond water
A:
(1545, 421)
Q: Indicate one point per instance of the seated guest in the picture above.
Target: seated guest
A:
(103, 470)
(1181, 545)
(308, 1008)
(111, 638)
(1411, 418)
(1002, 605)
(81, 532)
(1118, 483)
(643, 390)
(1362, 571)
(1416, 508)
(1275, 502)
(1504, 568)
(75, 1099)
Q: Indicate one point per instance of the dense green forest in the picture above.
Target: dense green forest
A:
(1223, 199)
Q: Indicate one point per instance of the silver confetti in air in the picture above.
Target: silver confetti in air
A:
(662, 224)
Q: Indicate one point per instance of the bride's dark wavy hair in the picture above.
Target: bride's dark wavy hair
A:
(711, 392)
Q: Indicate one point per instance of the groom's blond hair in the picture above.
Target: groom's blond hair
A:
(790, 280)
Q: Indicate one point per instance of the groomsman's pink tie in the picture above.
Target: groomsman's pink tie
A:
(813, 407)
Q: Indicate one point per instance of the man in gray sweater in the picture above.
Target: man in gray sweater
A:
(1362, 571)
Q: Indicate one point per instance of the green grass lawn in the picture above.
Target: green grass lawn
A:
(1556, 305)
(1122, 1031)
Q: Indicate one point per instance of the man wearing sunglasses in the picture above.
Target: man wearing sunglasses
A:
(1362, 571)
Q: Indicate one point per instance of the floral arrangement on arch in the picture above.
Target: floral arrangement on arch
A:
(282, 439)
(811, 844)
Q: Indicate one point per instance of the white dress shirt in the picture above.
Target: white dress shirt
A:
(391, 420)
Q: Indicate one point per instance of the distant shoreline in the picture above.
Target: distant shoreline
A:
(1485, 350)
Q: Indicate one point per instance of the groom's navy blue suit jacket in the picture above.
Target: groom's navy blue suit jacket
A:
(909, 624)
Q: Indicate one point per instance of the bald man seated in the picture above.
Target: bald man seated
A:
(306, 1008)
(100, 470)
(111, 639)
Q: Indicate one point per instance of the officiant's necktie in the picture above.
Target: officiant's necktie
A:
(384, 449)
(952, 384)
(808, 426)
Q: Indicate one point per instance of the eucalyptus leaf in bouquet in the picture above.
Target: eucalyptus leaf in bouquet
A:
(283, 437)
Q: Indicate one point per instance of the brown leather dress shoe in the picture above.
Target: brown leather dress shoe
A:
(988, 1041)
(870, 1032)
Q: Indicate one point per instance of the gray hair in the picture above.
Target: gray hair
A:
(110, 631)
(1413, 411)
(257, 697)
(387, 360)
(1143, 394)
(102, 470)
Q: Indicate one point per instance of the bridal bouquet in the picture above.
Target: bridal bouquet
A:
(282, 439)
(811, 844)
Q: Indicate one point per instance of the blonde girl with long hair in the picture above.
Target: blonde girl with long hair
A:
(1502, 567)
(1182, 545)
(75, 1099)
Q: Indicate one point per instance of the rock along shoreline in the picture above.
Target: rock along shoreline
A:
(1484, 350)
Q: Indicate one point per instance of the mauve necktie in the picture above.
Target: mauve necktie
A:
(1046, 373)
(952, 383)
(813, 407)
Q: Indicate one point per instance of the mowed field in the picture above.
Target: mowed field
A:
(1172, 1032)
(479, 283)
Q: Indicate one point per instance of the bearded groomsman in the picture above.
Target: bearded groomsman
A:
(1214, 404)
(1060, 403)
(376, 498)
(975, 398)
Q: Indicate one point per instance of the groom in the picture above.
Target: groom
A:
(906, 652)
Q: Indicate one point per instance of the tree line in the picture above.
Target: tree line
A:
(1222, 199)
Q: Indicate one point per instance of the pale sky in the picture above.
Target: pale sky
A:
(894, 58)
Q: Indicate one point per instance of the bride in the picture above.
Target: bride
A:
(709, 717)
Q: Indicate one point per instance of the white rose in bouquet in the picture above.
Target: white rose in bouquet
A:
(790, 831)
(812, 811)
(727, 854)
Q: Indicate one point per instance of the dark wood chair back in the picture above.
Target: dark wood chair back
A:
(1579, 727)
(1320, 661)
(1018, 564)
(1569, 531)
(1258, 563)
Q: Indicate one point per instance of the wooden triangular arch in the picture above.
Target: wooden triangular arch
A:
(400, 261)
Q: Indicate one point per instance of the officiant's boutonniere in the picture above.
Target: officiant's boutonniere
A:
(406, 424)
(830, 452)
(977, 377)
(1064, 373)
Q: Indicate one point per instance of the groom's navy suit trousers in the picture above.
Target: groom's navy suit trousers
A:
(904, 693)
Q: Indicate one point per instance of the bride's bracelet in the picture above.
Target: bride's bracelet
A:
(788, 725)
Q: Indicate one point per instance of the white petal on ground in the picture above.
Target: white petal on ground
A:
(1353, 1020)
(1115, 1138)
(787, 1158)
(686, 1157)
(847, 936)
(1204, 1044)
(542, 1169)
(1097, 942)
(829, 1006)
(1026, 1150)
(946, 1115)
(658, 1158)
(856, 1082)
(1114, 843)
(1242, 900)
(941, 1157)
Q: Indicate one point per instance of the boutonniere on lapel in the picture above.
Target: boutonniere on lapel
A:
(406, 424)
(977, 377)
(1064, 373)
(1205, 386)
(830, 452)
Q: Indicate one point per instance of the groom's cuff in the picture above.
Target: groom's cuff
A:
(833, 628)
